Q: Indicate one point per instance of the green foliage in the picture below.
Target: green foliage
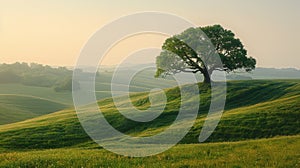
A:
(67, 85)
(230, 49)
(33, 74)
(191, 51)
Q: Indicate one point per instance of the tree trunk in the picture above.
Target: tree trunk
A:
(207, 75)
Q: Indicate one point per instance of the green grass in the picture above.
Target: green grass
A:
(262, 120)
(279, 152)
(14, 108)
(40, 92)
(143, 81)
(254, 110)
(259, 128)
(259, 114)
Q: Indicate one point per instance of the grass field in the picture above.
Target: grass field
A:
(260, 114)
(279, 152)
(255, 109)
(39, 92)
(14, 108)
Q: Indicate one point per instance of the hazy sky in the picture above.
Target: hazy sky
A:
(53, 31)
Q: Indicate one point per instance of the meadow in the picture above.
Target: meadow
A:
(14, 108)
(19, 102)
(279, 152)
(260, 127)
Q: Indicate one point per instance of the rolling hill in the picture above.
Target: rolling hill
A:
(142, 82)
(264, 110)
(256, 109)
(14, 108)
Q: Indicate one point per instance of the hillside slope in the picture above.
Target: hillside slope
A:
(277, 152)
(40, 92)
(14, 108)
(254, 109)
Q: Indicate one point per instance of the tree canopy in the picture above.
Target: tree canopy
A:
(194, 49)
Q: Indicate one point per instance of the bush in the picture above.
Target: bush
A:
(67, 85)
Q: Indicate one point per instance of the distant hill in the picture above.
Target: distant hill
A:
(57, 78)
(258, 73)
(268, 73)
(254, 109)
(14, 108)
(38, 82)
(48, 83)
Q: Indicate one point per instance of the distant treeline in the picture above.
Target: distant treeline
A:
(60, 78)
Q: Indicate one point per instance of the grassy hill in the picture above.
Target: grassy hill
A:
(280, 152)
(143, 81)
(256, 109)
(20, 102)
(14, 108)
(40, 92)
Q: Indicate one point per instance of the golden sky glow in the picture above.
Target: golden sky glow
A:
(53, 32)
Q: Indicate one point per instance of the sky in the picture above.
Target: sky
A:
(53, 32)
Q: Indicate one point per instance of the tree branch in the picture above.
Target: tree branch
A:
(194, 64)
(195, 71)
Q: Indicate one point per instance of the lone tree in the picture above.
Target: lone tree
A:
(177, 56)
